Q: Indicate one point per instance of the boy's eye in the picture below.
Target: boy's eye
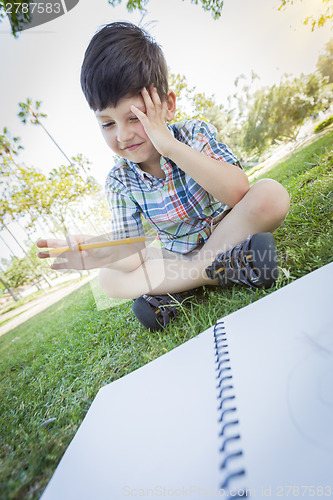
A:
(134, 119)
(107, 125)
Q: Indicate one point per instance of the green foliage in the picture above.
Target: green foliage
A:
(19, 273)
(18, 17)
(324, 124)
(9, 145)
(67, 186)
(255, 119)
(24, 270)
(190, 103)
(324, 16)
(19, 20)
(30, 195)
(193, 104)
(278, 112)
(307, 233)
(214, 6)
(256, 130)
(30, 110)
(325, 62)
(131, 5)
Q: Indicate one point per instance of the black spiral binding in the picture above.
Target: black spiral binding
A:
(230, 448)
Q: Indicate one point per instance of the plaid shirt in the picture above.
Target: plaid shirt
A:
(178, 208)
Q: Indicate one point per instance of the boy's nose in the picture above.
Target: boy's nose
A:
(124, 134)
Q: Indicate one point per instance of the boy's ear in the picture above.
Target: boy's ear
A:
(171, 102)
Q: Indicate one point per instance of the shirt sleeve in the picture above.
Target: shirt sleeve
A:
(125, 214)
(204, 140)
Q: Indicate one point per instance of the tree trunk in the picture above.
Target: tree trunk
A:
(50, 136)
(32, 265)
(9, 290)
(43, 274)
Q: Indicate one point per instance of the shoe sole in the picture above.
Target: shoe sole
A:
(263, 258)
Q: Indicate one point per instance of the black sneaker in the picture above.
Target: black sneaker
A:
(252, 263)
(156, 311)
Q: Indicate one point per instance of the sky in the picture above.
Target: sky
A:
(44, 63)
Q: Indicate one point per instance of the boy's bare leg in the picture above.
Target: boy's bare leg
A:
(262, 209)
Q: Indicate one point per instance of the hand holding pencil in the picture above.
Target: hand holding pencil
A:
(88, 252)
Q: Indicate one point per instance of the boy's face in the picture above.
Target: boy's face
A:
(125, 135)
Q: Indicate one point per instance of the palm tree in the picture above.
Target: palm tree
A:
(32, 110)
(28, 109)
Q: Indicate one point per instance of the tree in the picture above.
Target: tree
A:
(190, 103)
(193, 104)
(8, 149)
(24, 270)
(292, 102)
(31, 195)
(7, 287)
(31, 110)
(4, 226)
(34, 195)
(21, 181)
(256, 130)
(8, 145)
(214, 6)
(17, 13)
(20, 16)
(237, 110)
(325, 16)
(19, 273)
(66, 188)
(325, 61)
(278, 112)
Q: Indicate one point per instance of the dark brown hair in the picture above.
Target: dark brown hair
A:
(120, 60)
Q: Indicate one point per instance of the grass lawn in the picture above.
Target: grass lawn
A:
(53, 365)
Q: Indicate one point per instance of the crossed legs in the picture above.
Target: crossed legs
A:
(262, 209)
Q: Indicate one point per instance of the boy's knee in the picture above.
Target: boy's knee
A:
(106, 282)
(271, 200)
(113, 283)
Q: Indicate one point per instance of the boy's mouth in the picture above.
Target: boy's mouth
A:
(133, 147)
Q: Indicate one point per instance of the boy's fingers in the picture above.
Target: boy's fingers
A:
(155, 97)
(43, 255)
(41, 243)
(48, 255)
(51, 243)
(138, 113)
(55, 243)
(59, 265)
(136, 110)
(147, 98)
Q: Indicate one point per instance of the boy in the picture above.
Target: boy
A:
(214, 229)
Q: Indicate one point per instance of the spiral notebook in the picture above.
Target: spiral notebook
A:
(244, 408)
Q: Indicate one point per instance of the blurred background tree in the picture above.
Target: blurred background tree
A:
(325, 15)
(279, 112)
(20, 16)
(325, 61)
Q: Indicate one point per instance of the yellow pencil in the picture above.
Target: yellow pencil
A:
(101, 244)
